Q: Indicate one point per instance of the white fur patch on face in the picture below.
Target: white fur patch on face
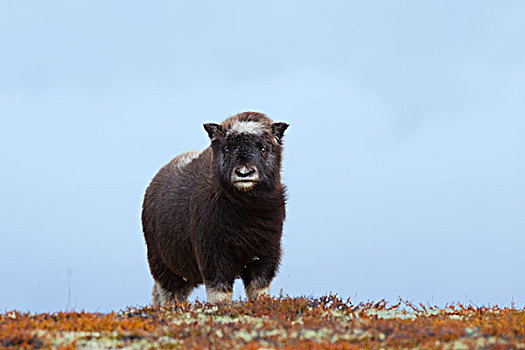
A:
(249, 127)
(214, 296)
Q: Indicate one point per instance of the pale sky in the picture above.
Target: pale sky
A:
(404, 160)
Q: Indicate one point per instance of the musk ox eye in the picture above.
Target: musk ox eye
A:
(263, 149)
(226, 150)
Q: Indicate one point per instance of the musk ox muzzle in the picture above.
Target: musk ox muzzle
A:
(244, 177)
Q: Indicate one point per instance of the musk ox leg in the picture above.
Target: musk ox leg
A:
(218, 277)
(216, 294)
(162, 295)
(168, 286)
(258, 276)
(256, 289)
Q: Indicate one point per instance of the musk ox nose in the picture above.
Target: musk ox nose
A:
(244, 171)
(244, 178)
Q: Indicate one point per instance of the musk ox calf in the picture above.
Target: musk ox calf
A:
(217, 215)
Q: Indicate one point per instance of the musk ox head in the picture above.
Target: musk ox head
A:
(247, 151)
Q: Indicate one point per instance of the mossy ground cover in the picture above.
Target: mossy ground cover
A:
(272, 323)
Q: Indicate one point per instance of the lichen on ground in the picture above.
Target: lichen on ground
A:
(272, 323)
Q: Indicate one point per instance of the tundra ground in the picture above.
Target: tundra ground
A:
(272, 323)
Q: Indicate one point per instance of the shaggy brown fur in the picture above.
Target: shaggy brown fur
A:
(215, 216)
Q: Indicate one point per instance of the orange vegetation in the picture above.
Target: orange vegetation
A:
(286, 323)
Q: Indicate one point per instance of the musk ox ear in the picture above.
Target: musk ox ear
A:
(214, 130)
(278, 131)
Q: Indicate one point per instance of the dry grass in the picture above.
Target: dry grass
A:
(285, 323)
